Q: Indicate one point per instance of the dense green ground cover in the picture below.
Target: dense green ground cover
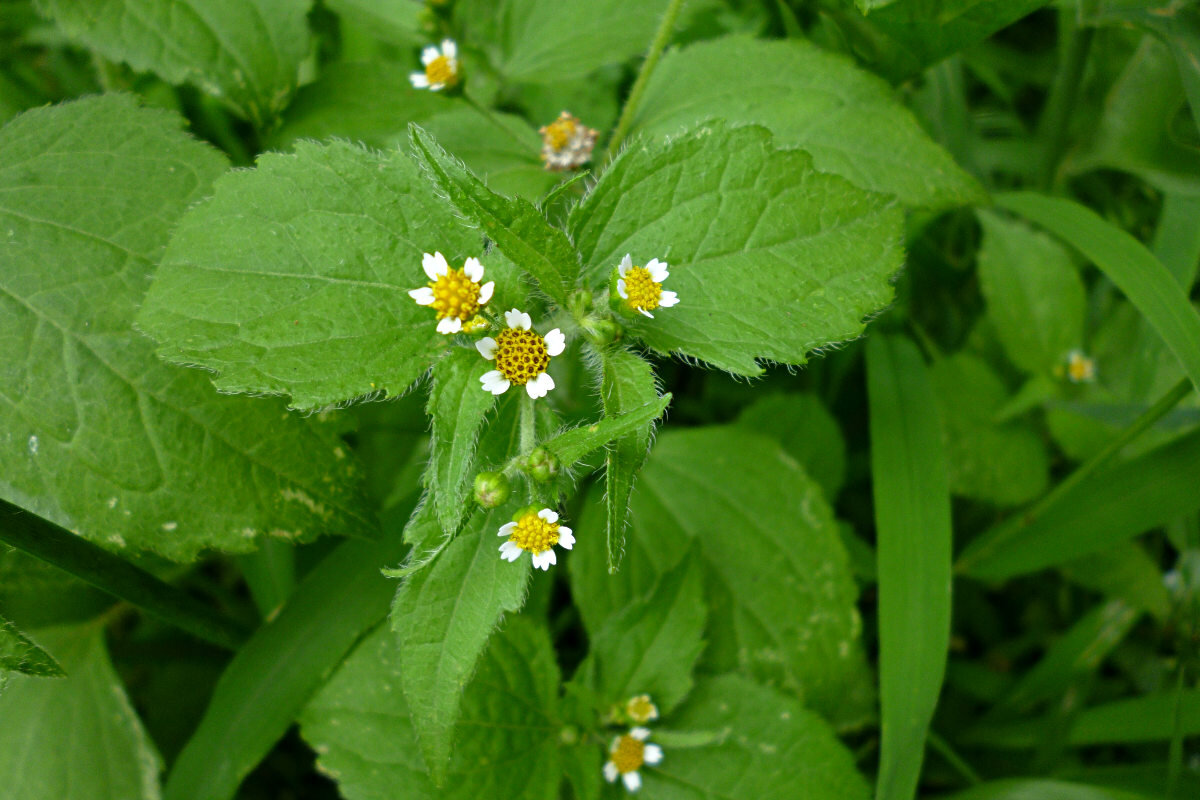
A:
(824, 423)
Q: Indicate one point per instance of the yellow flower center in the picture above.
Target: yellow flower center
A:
(559, 132)
(640, 709)
(1081, 368)
(641, 289)
(442, 70)
(520, 357)
(533, 533)
(455, 295)
(629, 754)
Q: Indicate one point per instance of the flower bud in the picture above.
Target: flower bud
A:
(542, 465)
(601, 332)
(491, 489)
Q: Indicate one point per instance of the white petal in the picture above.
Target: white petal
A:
(449, 48)
(621, 289)
(429, 261)
(450, 325)
(641, 734)
(658, 270)
(510, 552)
(418, 80)
(526, 321)
(436, 87)
(549, 514)
(439, 264)
(473, 269)
(556, 342)
(652, 754)
(540, 386)
(543, 560)
(485, 292)
(423, 296)
(625, 265)
(566, 539)
(668, 299)
(494, 382)
(429, 55)
(632, 780)
(645, 312)
(507, 528)
(513, 318)
(486, 347)
(610, 771)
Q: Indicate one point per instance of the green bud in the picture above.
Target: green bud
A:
(542, 465)
(580, 303)
(602, 332)
(491, 489)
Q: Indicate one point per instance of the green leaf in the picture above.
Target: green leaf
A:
(443, 617)
(100, 437)
(271, 678)
(19, 653)
(1001, 463)
(626, 383)
(774, 564)
(1133, 268)
(458, 408)
(1026, 789)
(1034, 294)
(77, 738)
(1124, 572)
(396, 21)
(507, 739)
(771, 259)
(913, 541)
(294, 277)
(515, 225)
(807, 431)
(775, 748)
(571, 446)
(651, 646)
(849, 120)
(245, 52)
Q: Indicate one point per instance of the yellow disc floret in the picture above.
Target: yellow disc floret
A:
(559, 132)
(628, 754)
(441, 71)
(641, 290)
(455, 295)
(534, 533)
(520, 356)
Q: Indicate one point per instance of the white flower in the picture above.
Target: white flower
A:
(521, 356)
(1080, 368)
(641, 709)
(641, 287)
(538, 532)
(626, 756)
(566, 144)
(441, 67)
(455, 294)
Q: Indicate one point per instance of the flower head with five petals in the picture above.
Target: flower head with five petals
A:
(538, 532)
(441, 68)
(455, 294)
(521, 356)
(641, 287)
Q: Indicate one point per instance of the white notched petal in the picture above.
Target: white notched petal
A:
(632, 780)
(434, 265)
(652, 754)
(436, 87)
(449, 48)
(543, 560)
(526, 321)
(486, 347)
(621, 289)
(668, 299)
(540, 386)
(566, 539)
(450, 325)
(494, 382)
(423, 296)
(473, 269)
(645, 312)
(625, 265)
(513, 318)
(549, 514)
(485, 292)
(556, 342)
(658, 270)
(641, 734)
(510, 552)
(429, 55)
(507, 528)
(610, 771)
(418, 80)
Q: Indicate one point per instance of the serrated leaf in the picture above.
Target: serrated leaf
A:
(458, 408)
(651, 646)
(100, 437)
(773, 747)
(626, 383)
(245, 52)
(771, 259)
(807, 431)
(768, 541)
(362, 727)
(442, 617)
(848, 119)
(395, 21)
(1034, 294)
(573, 445)
(19, 653)
(515, 225)
(77, 738)
(294, 277)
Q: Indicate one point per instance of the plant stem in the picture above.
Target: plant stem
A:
(1056, 117)
(939, 746)
(528, 431)
(665, 28)
(491, 115)
(88, 562)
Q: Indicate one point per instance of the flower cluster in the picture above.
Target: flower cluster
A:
(455, 294)
(566, 144)
(521, 356)
(537, 532)
(441, 68)
(641, 287)
(630, 751)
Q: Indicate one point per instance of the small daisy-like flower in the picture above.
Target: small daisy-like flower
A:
(455, 294)
(521, 356)
(1080, 368)
(641, 287)
(441, 68)
(627, 755)
(566, 144)
(538, 532)
(641, 709)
